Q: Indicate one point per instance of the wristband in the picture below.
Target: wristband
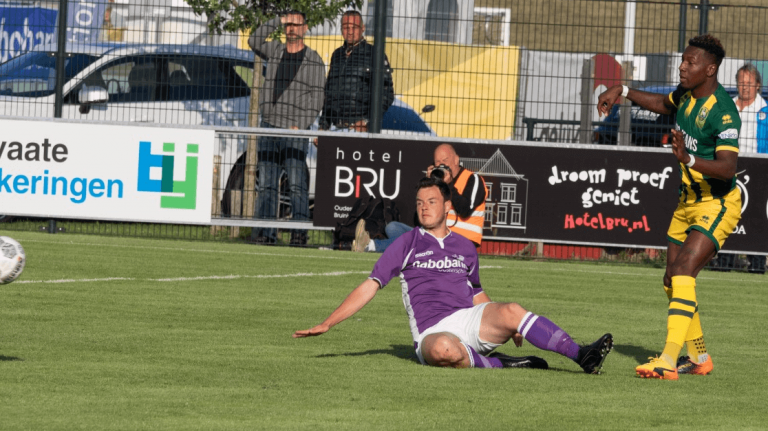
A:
(624, 91)
(691, 162)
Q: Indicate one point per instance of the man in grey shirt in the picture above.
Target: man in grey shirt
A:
(291, 98)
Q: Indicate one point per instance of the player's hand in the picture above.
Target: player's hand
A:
(518, 339)
(678, 147)
(314, 332)
(607, 99)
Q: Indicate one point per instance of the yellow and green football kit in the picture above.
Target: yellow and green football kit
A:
(708, 205)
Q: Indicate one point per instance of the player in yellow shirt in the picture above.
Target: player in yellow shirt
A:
(705, 143)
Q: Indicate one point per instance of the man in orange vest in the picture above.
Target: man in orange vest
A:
(467, 214)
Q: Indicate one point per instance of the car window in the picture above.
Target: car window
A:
(128, 79)
(204, 78)
(34, 74)
(173, 78)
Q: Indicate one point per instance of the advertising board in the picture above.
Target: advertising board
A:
(72, 170)
(545, 192)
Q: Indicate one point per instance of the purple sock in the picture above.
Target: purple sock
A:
(479, 361)
(544, 334)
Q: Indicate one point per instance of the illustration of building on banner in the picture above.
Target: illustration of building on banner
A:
(505, 205)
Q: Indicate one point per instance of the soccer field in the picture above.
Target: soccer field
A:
(105, 333)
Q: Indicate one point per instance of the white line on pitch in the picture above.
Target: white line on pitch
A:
(74, 280)
(235, 276)
(208, 277)
(201, 250)
(300, 274)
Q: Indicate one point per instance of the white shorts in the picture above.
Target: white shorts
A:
(464, 324)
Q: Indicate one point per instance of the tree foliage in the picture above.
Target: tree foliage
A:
(236, 15)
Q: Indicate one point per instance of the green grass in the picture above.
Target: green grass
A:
(150, 350)
(155, 230)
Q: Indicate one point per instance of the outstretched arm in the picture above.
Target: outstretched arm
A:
(351, 305)
(658, 103)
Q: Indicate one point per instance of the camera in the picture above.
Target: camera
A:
(439, 172)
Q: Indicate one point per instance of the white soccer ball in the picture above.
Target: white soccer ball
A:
(12, 259)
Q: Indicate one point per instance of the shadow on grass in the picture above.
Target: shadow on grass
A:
(9, 358)
(401, 351)
(641, 354)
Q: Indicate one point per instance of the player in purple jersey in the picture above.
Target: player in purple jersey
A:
(453, 321)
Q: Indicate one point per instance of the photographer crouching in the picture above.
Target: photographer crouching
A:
(467, 215)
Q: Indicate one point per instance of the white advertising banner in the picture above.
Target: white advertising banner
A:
(105, 172)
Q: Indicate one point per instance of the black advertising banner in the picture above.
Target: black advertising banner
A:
(352, 168)
(550, 193)
(752, 232)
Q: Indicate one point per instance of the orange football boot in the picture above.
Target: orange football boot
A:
(686, 366)
(656, 369)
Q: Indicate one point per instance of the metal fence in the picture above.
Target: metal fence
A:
(484, 69)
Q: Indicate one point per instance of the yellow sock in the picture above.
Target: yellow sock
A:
(682, 308)
(694, 340)
(697, 350)
(668, 291)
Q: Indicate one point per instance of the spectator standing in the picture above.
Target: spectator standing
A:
(752, 109)
(467, 214)
(349, 86)
(753, 138)
(291, 98)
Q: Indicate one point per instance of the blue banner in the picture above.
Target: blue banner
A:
(84, 20)
(22, 28)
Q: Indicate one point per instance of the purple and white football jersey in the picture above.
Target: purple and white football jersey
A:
(438, 276)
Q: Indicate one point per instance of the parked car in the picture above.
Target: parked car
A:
(648, 129)
(168, 84)
(106, 82)
(171, 84)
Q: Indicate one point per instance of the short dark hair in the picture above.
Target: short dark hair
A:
(428, 182)
(353, 12)
(711, 45)
(295, 12)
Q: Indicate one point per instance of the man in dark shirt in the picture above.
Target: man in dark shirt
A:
(291, 98)
(348, 89)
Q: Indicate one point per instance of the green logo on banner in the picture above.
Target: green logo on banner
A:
(166, 184)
